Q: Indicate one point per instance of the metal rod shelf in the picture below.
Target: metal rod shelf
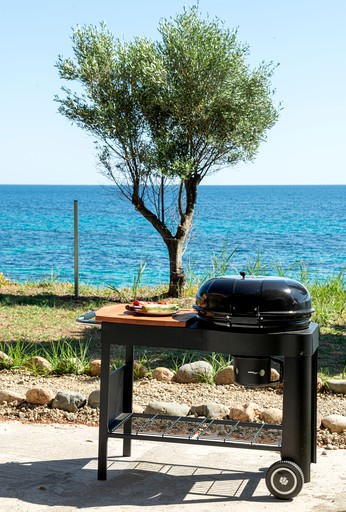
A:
(192, 430)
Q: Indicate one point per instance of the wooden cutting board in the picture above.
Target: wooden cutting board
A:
(117, 314)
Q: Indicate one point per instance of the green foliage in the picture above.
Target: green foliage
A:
(64, 356)
(179, 106)
(67, 358)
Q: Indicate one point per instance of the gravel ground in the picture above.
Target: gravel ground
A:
(146, 390)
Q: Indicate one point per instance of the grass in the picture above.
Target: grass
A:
(39, 318)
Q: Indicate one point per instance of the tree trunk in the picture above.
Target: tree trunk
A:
(174, 243)
(177, 275)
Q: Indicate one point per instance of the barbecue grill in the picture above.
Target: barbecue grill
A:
(260, 321)
(255, 302)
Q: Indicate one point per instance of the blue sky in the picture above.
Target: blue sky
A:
(306, 37)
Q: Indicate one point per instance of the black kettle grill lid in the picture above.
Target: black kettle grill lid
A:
(245, 294)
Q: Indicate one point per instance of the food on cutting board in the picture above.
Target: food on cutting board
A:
(142, 306)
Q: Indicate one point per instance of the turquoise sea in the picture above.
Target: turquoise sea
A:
(284, 224)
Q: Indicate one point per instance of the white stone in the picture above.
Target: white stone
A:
(199, 371)
(6, 395)
(169, 408)
(163, 374)
(335, 423)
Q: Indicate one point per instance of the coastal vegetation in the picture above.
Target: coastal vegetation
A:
(38, 318)
(165, 114)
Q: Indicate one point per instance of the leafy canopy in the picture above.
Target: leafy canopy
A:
(177, 108)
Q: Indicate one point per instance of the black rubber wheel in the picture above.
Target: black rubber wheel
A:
(284, 479)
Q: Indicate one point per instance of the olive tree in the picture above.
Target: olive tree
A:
(167, 113)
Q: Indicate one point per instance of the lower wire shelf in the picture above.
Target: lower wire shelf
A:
(192, 430)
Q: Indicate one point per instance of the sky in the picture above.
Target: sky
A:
(307, 38)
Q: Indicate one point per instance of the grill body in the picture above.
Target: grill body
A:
(255, 302)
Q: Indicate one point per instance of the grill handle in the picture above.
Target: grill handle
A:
(87, 318)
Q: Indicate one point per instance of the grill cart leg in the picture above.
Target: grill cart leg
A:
(127, 398)
(299, 414)
(103, 422)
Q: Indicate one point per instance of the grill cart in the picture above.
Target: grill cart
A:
(254, 337)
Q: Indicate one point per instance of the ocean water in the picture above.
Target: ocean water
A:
(284, 225)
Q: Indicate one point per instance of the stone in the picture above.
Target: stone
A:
(39, 396)
(225, 376)
(38, 364)
(140, 370)
(95, 368)
(246, 412)
(274, 375)
(169, 408)
(335, 423)
(94, 399)
(213, 410)
(199, 371)
(337, 386)
(5, 360)
(318, 419)
(320, 384)
(163, 374)
(137, 409)
(6, 395)
(69, 402)
(271, 415)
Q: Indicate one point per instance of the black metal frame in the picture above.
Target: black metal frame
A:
(297, 348)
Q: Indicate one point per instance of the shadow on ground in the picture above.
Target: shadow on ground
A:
(73, 483)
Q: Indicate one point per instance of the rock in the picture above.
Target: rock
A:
(5, 360)
(39, 396)
(246, 412)
(225, 376)
(140, 370)
(335, 423)
(6, 395)
(213, 410)
(94, 399)
(337, 385)
(95, 368)
(318, 420)
(163, 374)
(274, 375)
(137, 409)
(169, 408)
(69, 402)
(38, 364)
(199, 371)
(320, 384)
(271, 415)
